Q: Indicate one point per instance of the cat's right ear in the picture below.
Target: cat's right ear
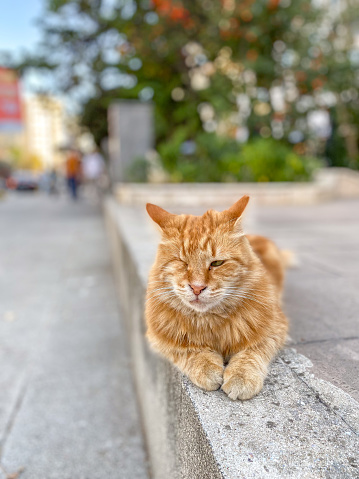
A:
(159, 215)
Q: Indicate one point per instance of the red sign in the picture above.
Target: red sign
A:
(10, 105)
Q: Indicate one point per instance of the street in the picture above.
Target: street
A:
(67, 403)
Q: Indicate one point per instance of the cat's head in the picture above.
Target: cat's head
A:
(202, 261)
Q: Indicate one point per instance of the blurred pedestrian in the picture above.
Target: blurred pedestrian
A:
(53, 182)
(73, 172)
(94, 171)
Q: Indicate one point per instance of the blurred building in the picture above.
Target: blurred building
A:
(10, 103)
(11, 121)
(44, 134)
(32, 127)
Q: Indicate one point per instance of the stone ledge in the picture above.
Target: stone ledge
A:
(297, 427)
(329, 183)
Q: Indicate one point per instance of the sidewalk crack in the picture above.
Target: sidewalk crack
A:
(315, 341)
(12, 418)
(321, 400)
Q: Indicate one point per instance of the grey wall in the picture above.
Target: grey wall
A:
(130, 134)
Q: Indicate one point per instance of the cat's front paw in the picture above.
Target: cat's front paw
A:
(209, 378)
(243, 385)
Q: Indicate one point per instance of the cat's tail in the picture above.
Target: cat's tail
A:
(289, 259)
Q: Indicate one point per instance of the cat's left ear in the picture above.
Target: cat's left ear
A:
(159, 215)
(234, 213)
(236, 210)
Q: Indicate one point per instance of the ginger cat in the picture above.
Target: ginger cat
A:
(213, 300)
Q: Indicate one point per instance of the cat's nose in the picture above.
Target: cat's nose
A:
(197, 289)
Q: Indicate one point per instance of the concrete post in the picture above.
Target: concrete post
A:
(130, 135)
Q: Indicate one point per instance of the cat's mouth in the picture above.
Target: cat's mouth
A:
(197, 301)
(199, 305)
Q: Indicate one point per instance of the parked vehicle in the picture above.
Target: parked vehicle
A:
(23, 180)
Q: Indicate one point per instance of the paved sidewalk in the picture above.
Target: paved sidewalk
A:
(321, 295)
(67, 403)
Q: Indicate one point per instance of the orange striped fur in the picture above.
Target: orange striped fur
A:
(220, 323)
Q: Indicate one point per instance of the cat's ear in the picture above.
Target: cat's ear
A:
(236, 210)
(234, 214)
(159, 215)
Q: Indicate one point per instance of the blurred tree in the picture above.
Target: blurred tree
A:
(239, 68)
(16, 156)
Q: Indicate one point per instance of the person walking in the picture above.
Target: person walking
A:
(73, 172)
(93, 171)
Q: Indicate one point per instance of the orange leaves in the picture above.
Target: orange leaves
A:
(273, 4)
(252, 55)
(174, 11)
(162, 6)
(246, 15)
(250, 36)
(300, 148)
(318, 82)
(178, 13)
(301, 76)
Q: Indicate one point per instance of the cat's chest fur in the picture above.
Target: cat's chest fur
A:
(226, 341)
(226, 336)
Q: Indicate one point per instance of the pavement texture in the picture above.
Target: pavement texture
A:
(67, 402)
(305, 422)
(321, 295)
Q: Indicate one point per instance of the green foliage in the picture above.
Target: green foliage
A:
(94, 117)
(336, 151)
(206, 163)
(138, 171)
(217, 159)
(188, 54)
(269, 160)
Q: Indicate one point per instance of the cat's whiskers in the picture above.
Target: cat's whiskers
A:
(160, 292)
(159, 281)
(164, 287)
(161, 298)
(250, 298)
(250, 293)
(245, 288)
(169, 288)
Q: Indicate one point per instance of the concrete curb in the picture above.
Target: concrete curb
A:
(297, 427)
(328, 184)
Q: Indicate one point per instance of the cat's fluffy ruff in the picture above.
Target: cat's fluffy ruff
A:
(227, 335)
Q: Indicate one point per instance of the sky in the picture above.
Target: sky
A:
(18, 30)
(19, 33)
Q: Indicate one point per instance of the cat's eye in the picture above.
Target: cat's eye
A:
(217, 263)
